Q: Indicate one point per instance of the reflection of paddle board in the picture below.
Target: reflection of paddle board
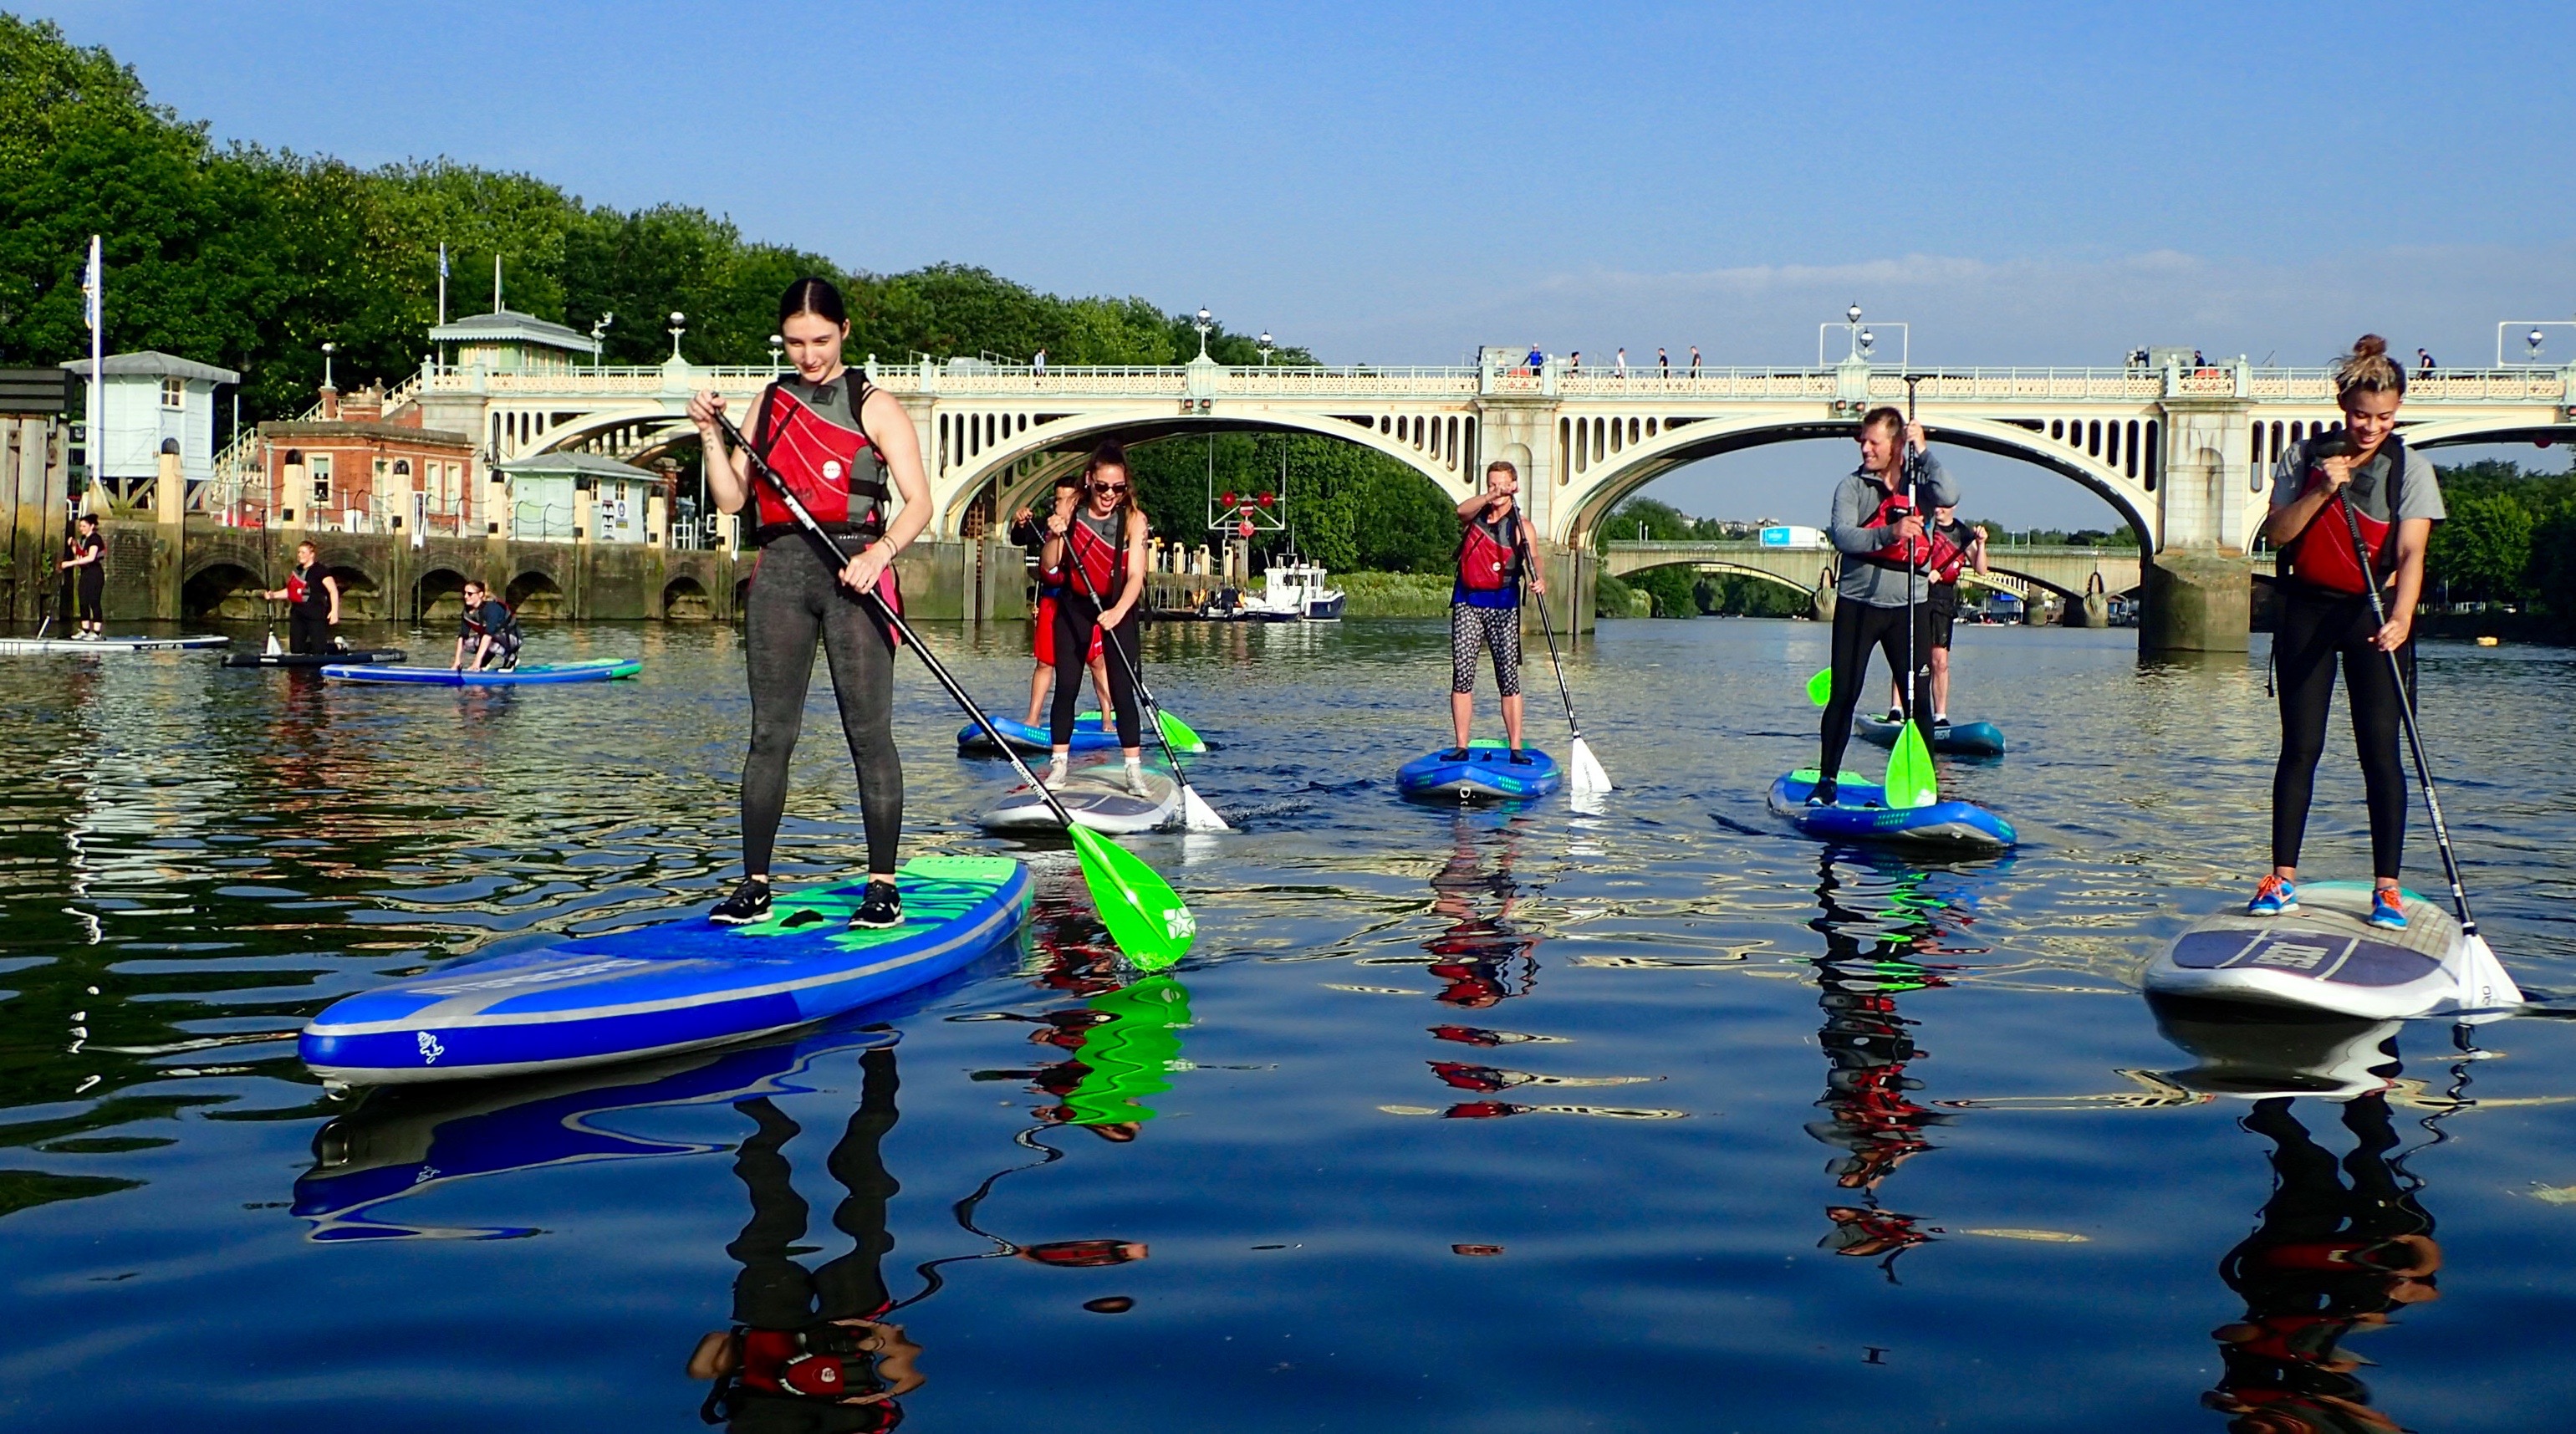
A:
(675, 986)
(1959, 739)
(33, 646)
(355, 657)
(599, 669)
(2324, 957)
(2257, 1052)
(1488, 773)
(1860, 813)
(1097, 797)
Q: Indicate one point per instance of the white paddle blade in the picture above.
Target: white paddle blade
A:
(1588, 775)
(2485, 988)
(1197, 815)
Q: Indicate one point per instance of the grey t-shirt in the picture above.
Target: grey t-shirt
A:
(1854, 504)
(2419, 494)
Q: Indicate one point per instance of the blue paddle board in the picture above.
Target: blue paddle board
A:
(669, 987)
(1488, 773)
(1860, 814)
(599, 669)
(1091, 733)
(1959, 739)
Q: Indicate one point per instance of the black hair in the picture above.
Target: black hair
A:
(89, 518)
(812, 295)
(1112, 454)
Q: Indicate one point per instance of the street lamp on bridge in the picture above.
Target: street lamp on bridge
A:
(1265, 348)
(679, 326)
(1863, 340)
(598, 338)
(1205, 323)
(777, 346)
(327, 350)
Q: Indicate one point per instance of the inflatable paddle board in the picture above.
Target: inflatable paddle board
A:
(357, 657)
(1488, 774)
(671, 987)
(35, 646)
(599, 669)
(1091, 733)
(1860, 814)
(1097, 797)
(1959, 739)
(2326, 956)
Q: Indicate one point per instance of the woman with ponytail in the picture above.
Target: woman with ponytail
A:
(2360, 476)
(1097, 538)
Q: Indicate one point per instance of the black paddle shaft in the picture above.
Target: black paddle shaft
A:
(838, 559)
(1134, 670)
(1520, 536)
(2414, 735)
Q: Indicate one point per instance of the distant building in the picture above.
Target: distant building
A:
(348, 469)
(151, 402)
(507, 341)
(553, 494)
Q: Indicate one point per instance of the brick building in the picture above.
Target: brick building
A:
(350, 469)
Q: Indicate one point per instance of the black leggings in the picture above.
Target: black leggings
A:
(2312, 631)
(308, 632)
(1858, 626)
(1076, 615)
(92, 590)
(795, 598)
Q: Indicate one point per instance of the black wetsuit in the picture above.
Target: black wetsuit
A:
(494, 618)
(308, 611)
(89, 582)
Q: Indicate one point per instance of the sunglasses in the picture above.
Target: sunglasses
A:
(1109, 488)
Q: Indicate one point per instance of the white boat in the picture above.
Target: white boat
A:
(1295, 592)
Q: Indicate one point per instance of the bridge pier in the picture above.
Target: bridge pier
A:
(2197, 600)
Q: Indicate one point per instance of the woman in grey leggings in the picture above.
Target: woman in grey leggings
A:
(847, 449)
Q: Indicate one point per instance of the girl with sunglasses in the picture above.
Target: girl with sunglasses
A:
(1097, 539)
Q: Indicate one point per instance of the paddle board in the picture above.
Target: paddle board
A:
(599, 669)
(2256, 1052)
(1959, 739)
(2326, 956)
(34, 646)
(1488, 773)
(1091, 733)
(1860, 813)
(1097, 797)
(353, 657)
(673, 986)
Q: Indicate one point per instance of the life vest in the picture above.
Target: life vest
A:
(1901, 556)
(1949, 557)
(304, 590)
(834, 471)
(474, 619)
(777, 1361)
(1102, 554)
(2321, 555)
(1485, 562)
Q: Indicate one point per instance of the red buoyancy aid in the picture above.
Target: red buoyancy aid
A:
(1103, 559)
(304, 590)
(1486, 564)
(776, 1361)
(1948, 558)
(2321, 555)
(834, 471)
(296, 588)
(1904, 557)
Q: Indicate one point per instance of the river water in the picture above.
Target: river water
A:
(1656, 1117)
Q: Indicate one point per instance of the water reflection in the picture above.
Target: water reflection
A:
(1121, 1043)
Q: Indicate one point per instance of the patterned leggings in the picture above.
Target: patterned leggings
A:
(1498, 628)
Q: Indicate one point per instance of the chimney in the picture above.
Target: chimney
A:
(367, 405)
(330, 404)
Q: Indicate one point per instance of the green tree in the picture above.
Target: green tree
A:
(2483, 551)
(2552, 571)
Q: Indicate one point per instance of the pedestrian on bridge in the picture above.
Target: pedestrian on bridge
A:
(1694, 360)
(1485, 605)
(1884, 594)
(1663, 363)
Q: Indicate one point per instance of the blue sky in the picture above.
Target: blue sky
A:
(2023, 183)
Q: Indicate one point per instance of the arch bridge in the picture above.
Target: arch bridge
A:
(2069, 572)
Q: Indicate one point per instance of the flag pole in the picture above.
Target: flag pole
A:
(94, 411)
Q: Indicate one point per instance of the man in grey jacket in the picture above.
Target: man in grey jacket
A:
(1883, 596)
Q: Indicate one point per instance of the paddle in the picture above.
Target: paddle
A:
(1196, 815)
(1586, 770)
(1820, 688)
(1910, 779)
(1147, 920)
(2484, 986)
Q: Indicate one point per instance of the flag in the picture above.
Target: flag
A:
(93, 284)
(442, 261)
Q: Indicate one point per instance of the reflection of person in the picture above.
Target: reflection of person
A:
(485, 629)
(1476, 953)
(811, 1350)
(2318, 497)
(1029, 532)
(84, 551)
(1883, 596)
(847, 449)
(312, 598)
(2329, 1258)
(1485, 604)
(1957, 548)
(1105, 537)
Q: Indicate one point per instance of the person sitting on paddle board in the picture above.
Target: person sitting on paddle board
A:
(1028, 532)
(1099, 544)
(1485, 605)
(2366, 471)
(485, 630)
(846, 448)
(312, 599)
(1957, 548)
(1877, 525)
(87, 552)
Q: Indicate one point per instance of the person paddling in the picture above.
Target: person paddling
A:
(87, 553)
(487, 629)
(847, 449)
(1883, 592)
(2361, 474)
(312, 598)
(1099, 544)
(1485, 605)
(1957, 549)
(1029, 531)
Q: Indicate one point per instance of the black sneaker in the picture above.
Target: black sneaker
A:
(880, 908)
(1520, 758)
(1454, 754)
(1825, 795)
(1895, 714)
(749, 903)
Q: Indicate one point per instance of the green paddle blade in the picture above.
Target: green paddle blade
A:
(1178, 733)
(1144, 916)
(1910, 782)
(1820, 688)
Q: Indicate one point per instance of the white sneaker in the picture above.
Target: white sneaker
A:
(1136, 780)
(1055, 776)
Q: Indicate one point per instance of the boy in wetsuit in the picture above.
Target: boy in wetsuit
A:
(88, 553)
(312, 598)
(487, 626)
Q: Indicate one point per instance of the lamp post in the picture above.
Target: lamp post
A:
(1265, 348)
(327, 350)
(1205, 323)
(2531, 345)
(777, 346)
(598, 331)
(679, 326)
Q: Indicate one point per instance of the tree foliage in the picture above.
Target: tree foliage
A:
(1349, 508)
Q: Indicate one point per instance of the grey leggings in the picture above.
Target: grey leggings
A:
(794, 600)
(1496, 628)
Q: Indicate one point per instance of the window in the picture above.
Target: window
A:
(174, 393)
(321, 469)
